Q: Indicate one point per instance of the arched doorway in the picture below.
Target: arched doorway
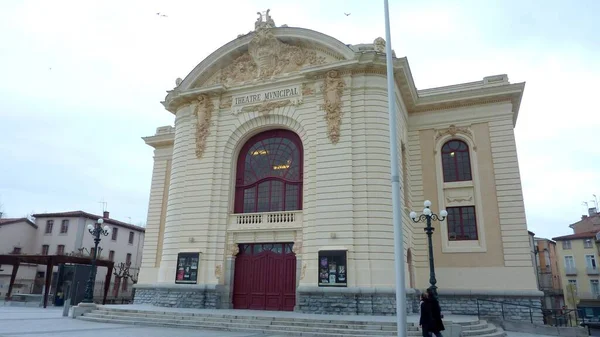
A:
(269, 180)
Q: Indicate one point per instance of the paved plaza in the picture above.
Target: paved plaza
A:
(33, 322)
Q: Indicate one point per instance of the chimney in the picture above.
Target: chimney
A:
(592, 211)
(105, 215)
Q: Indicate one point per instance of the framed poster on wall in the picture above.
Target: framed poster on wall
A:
(333, 268)
(187, 268)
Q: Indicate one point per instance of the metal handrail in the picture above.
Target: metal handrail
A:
(551, 316)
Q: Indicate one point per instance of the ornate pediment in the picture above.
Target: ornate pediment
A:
(266, 57)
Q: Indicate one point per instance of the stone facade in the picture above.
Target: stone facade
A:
(199, 297)
(352, 301)
(333, 97)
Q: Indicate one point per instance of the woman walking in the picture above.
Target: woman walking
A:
(436, 314)
(426, 319)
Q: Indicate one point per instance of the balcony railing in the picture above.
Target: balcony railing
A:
(571, 271)
(266, 220)
(593, 271)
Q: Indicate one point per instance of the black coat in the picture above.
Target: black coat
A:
(436, 315)
(426, 319)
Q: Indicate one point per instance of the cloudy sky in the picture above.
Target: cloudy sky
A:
(81, 81)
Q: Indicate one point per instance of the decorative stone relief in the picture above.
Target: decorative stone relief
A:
(267, 56)
(297, 248)
(450, 200)
(303, 272)
(453, 130)
(308, 89)
(226, 103)
(332, 92)
(234, 249)
(266, 107)
(379, 45)
(203, 112)
(218, 272)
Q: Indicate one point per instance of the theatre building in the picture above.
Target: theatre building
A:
(272, 189)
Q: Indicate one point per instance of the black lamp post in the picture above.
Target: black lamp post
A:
(96, 230)
(427, 216)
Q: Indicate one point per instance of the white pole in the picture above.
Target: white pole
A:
(396, 206)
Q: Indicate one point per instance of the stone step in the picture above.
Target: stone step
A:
(478, 326)
(175, 315)
(251, 326)
(249, 322)
(490, 329)
(349, 333)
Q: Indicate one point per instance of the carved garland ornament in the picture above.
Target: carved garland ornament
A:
(264, 108)
(303, 272)
(234, 249)
(218, 272)
(203, 112)
(450, 200)
(453, 130)
(332, 92)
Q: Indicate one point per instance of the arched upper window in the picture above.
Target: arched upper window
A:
(269, 173)
(456, 163)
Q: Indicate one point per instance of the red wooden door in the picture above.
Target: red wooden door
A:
(265, 277)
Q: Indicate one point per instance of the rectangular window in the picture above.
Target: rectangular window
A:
(587, 243)
(116, 286)
(131, 236)
(92, 251)
(569, 262)
(124, 284)
(128, 259)
(16, 250)
(566, 244)
(64, 227)
(111, 255)
(115, 232)
(462, 223)
(332, 268)
(60, 249)
(595, 287)
(590, 261)
(49, 226)
(187, 268)
(45, 249)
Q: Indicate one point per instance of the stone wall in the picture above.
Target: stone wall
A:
(511, 307)
(179, 296)
(352, 301)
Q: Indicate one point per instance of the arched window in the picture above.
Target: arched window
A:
(456, 163)
(269, 173)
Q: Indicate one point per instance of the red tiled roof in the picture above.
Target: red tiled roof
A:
(584, 235)
(73, 214)
(9, 221)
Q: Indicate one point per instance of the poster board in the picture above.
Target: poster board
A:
(332, 269)
(187, 268)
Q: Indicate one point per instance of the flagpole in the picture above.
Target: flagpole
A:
(396, 206)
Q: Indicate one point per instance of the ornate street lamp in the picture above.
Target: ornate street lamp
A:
(96, 230)
(427, 216)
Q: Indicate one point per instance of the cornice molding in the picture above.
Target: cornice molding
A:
(159, 141)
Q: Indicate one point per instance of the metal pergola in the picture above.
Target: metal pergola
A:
(50, 261)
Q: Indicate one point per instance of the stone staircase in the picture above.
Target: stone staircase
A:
(336, 326)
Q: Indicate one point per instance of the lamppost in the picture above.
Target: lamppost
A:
(96, 230)
(427, 216)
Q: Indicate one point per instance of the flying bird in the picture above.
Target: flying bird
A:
(347, 14)
(163, 15)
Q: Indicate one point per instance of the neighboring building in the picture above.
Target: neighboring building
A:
(15, 238)
(273, 189)
(579, 264)
(588, 223)
(67, 233)
(549, 276)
